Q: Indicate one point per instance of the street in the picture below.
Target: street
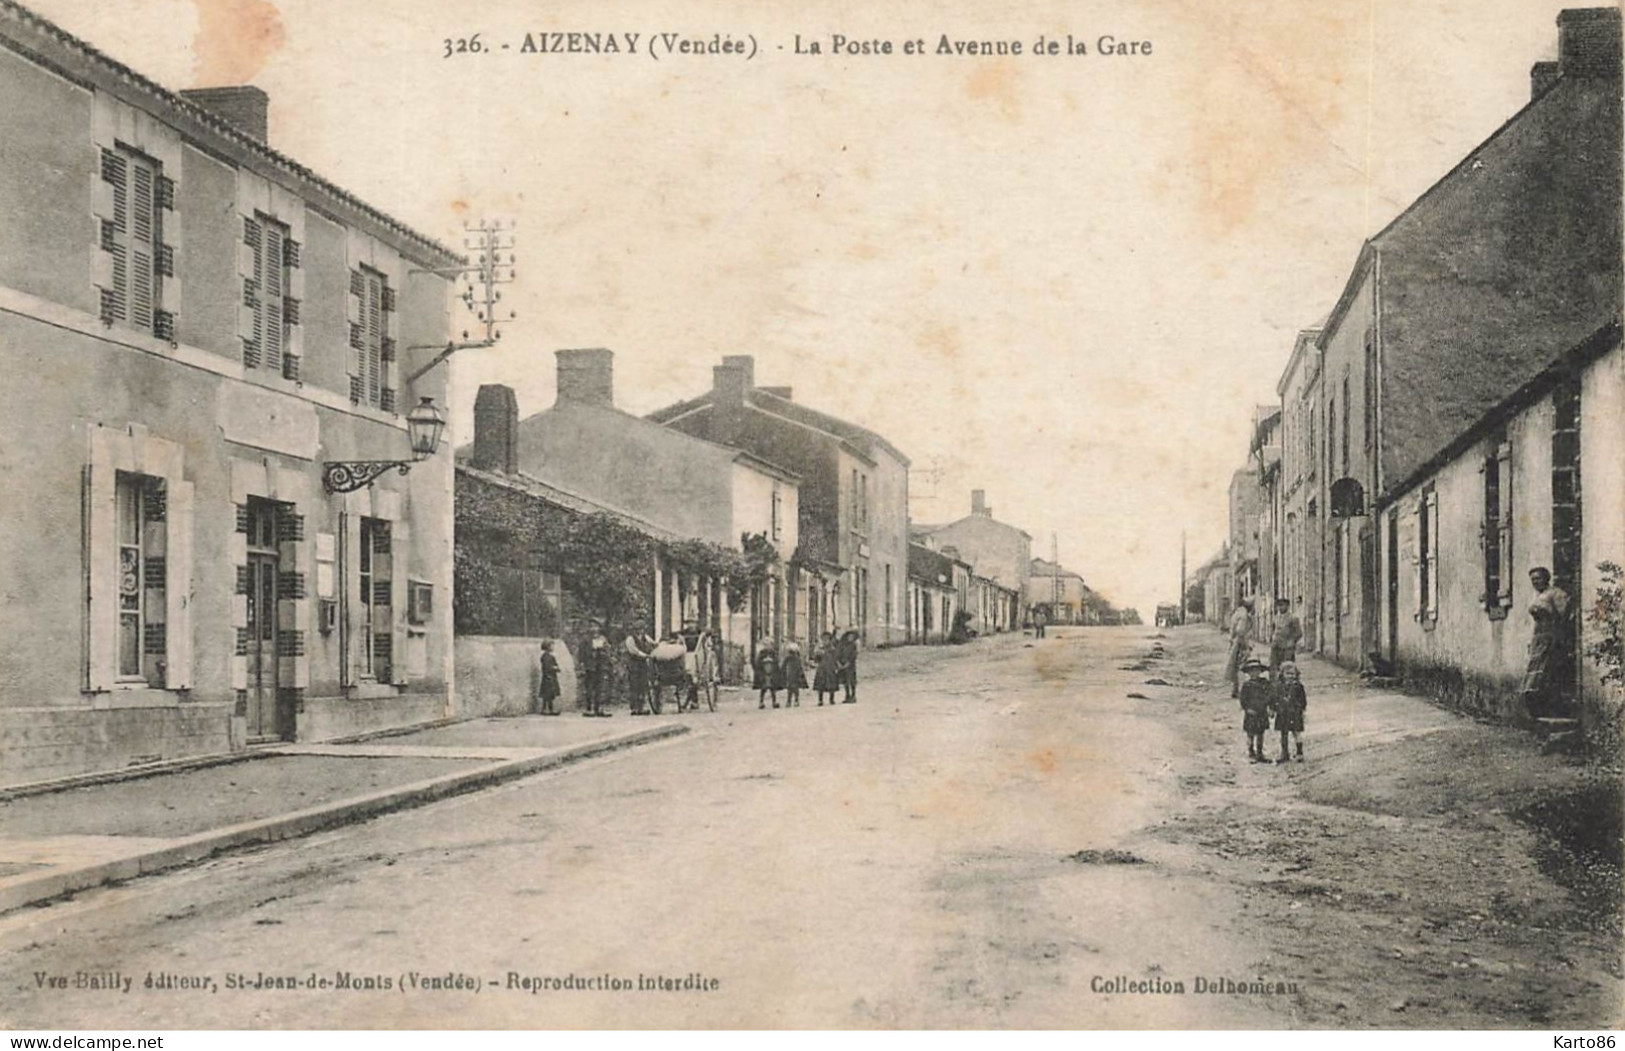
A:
(1000, 834)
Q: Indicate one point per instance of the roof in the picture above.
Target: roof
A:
(1497, 270)
(1300, 346)
(1598, 344)
(928, 565)
(931, 530)
(723, 453)
(531, 486)
(1045, 568)
(758, 398)
(122, 78)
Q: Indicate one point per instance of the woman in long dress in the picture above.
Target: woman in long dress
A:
(1547, 676)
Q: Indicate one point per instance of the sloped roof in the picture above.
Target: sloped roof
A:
(124, 80)
(758, 398)
(1498, 270)
(1042, 567)
(531, 486)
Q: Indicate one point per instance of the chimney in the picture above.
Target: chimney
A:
(586, 377)
(978, 503)
(729, 383)
(243, 107)
(496, 429)
(1588, 43)
(778, 392)
(1542, 75)
(744, 363)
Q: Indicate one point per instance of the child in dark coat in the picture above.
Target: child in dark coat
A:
(827, 677)
(548, 688)
(795, 675)
(769, 677)
(1290, 704)
(1256, 700)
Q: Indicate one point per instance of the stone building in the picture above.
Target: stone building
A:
(1464, 300)
(207, 324)
(849, 568)
(1297, 493)
(1000, 553)
(683, 486)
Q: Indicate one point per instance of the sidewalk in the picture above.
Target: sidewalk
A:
(82, 835)
(1445, 860)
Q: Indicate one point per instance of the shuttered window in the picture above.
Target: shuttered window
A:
(1427, 557)
(1497, 529)
(266, 291)
(369, 339)
(133, 236)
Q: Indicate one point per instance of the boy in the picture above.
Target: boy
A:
(768, 676)
(1255, 704)
(1290, 702)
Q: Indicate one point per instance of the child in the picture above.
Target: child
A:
(1255, 702)
(827, 677)
(1290, 702)
(768, 676)
(795, 675)
(549, 687)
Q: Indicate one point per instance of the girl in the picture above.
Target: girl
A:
(768, 676)
(548, 689)
(1290, 702)
(827, 679)
(795, 675)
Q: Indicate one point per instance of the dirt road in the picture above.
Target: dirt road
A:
(996, 835)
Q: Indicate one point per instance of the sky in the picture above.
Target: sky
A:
(1065, 279)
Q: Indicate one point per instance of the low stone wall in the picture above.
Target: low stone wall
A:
(498, 676)
(42, 744)
(326, 718)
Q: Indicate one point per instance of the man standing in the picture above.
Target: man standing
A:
(596, 665)
(1039, 623)
(1547, 676)
(1288, 633)
(1241, 627)
(636, 652)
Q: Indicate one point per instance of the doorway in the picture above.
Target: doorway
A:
(266, 722)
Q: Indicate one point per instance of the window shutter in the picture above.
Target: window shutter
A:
(1504, 457)
(1418, 554)
(1433, 555)
(268, 323)
(178, 587)
(142, 275)
(400, 551)
(101, 569)
(351, 624)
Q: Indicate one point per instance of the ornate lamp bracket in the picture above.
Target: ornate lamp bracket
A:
(346, 476)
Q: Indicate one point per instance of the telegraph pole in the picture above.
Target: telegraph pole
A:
(1055, 575)
(493, 246)
(1181, 576)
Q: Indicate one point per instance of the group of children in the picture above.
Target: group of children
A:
(834, 671)
(1283, 697)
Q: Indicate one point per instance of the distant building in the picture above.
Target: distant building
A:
(1297, 491)
(1056, 591)
(1000, 553)
(850, 566)
(1245, 543)
(1264, 454)
(933, 593)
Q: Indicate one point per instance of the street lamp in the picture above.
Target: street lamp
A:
(424, 425)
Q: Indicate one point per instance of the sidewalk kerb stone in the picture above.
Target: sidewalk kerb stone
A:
(190, 849)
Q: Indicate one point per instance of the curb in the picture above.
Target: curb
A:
(299, 823)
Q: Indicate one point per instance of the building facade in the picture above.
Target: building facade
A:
(211, 324)
(849, 568)
(1057, 591)
(1000, 553)
(682, 485)
(1297, 495)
